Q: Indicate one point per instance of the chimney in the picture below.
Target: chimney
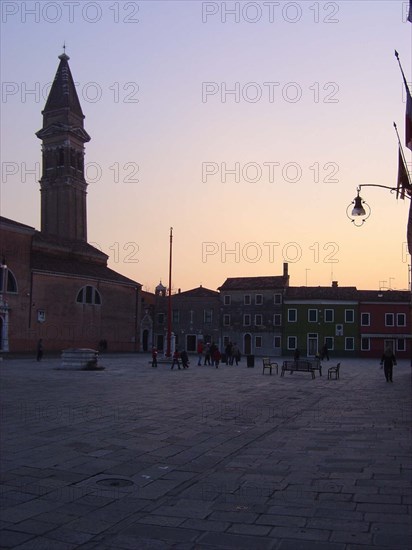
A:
(334, 284)
(285, 270)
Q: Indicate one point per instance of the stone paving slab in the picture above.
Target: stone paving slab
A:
(134, 457)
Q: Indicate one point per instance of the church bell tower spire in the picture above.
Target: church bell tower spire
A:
(63, 186)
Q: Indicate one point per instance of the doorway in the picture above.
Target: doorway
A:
(247, 344)
(312, 344)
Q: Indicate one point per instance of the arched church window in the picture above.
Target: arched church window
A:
(72, 158)
(80, 161)
(11, 283)
(61, 157)
(89, 295)
(45, 160)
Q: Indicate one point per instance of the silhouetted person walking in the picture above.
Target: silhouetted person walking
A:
(39, 350)
(176, 360)
(388, 361)
(324, 353)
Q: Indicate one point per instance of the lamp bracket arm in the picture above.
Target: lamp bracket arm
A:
(391, 189)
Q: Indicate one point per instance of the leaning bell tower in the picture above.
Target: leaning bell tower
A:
(63, 186)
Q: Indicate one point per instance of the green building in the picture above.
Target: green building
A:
(315, 316)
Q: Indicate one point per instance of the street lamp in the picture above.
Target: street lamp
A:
(358, 211)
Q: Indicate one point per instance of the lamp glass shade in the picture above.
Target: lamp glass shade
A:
(358, 209)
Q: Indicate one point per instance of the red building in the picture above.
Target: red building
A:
(385, 320)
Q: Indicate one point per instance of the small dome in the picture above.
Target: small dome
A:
(160, 290)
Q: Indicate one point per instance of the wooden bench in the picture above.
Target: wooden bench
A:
(298, 365)
(333, 372)
(317, 365)
(269, 364)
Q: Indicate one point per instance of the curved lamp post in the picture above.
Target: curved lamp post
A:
(358, 211)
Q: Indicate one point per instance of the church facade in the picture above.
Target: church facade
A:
(53, 284)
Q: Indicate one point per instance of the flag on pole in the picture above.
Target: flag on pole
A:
(403, 184)
(408, 119)
(408, 113)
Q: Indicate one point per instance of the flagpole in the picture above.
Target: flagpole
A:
(400, 66)
(409, 225)
(169, 314)
(408, 116)
(402, 153)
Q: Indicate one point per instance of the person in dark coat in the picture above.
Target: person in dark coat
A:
(388, 361)
(176, 359)
(213, 348)
(324, 352)
(229, 353)
(154, 357)
(185, 359)
(207, 355)
(199, 352)
(216, 357)
(39, 350)
(235, 354)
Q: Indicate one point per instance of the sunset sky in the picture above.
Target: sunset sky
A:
(245, 126)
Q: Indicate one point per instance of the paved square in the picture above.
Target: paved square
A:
(135, 457)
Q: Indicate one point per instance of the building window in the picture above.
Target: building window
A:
(349, 315)
(227, 300)
(80, 162)
(208, 315)
(292, 342)
(389, 319)
(330, 343)
(277, 299)
(191, 316)
(312, 315)
(247, 299)
(292, 315)
(401, 344)
(349, 343)
(258, 320)
(246, 320)
(175, 316)
(226, 319)
(365, 344)
(365, 319)
(277, 342)
(73, 158)
(277, 319)
(258, 342)
(160, 318)
(61, 157)
(11, 285)
(329, 316)
(258, 299)
(401, 319)
(89, 295)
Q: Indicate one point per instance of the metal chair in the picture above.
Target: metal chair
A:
(268, 364)
(333, 372)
